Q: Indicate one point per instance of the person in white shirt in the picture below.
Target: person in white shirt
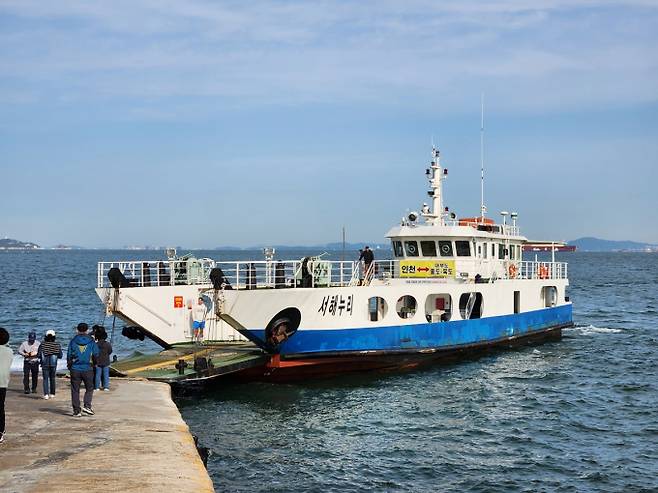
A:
(199, 319)
(6, 355)
(29, 350)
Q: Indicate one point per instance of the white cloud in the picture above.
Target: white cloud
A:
(294, 52)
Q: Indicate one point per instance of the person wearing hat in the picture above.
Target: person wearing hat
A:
(6, 355)
(29, 350)
(49, 352)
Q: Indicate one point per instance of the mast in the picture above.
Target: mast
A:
(483, 208)
(435, 176)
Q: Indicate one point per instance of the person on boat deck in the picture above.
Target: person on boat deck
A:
(6, 355)
(29, 350)
(103, 360)
(82, 349)
(199, 319)
(49, 352)
(368, 257)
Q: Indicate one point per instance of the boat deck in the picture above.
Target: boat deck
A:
(217, 360)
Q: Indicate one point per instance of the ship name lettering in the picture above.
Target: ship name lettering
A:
(336, 304)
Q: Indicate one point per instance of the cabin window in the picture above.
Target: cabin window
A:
(470, 305)
(493, 250)
(501, 251)
(377, 308)
(485, 249)
(411, 248)
(549, 296)
(513, 252)
(463, 248)
(479, 250)
(397, 249)
(445, 247)
(406, 306)
(519, 252)
(428, 248)
(438, 308)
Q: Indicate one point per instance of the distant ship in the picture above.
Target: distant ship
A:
(548, 246)
(454, 287)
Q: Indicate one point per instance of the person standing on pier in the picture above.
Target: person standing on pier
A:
(82, 349)
(6, 355)
(49, 352)
(29, 350)
(103, 361)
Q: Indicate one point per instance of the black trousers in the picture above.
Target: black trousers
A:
(32, 368)
(77, 377)
(3, 394)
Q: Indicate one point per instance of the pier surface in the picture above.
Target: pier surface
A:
(136, 441)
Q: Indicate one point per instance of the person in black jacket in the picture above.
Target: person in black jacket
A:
(368, 257)
(102, 360)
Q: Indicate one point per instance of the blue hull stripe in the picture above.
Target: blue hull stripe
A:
(423, 336)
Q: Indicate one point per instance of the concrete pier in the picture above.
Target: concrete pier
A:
(136, 441)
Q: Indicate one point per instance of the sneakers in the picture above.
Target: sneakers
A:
(47, 396)
(2, 437)
(106, 390)
(96, 389)
(26, 391)
(88, 410)
(77, 415)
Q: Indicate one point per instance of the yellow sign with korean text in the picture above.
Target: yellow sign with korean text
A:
(427, 268)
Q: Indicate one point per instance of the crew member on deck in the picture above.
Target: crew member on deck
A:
(199, 319)
(368, 257)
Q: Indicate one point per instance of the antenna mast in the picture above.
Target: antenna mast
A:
(483, 208)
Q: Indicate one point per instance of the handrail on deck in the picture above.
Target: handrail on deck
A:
(279, 274)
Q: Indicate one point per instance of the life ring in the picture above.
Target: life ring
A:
(512, 270)
(543, 272)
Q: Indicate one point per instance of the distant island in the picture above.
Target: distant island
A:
(325, 246)
(585, 244)
(590, 244)
(10, 244)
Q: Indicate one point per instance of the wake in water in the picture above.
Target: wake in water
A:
(588, 330)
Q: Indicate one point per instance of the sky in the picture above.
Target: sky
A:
(202, 124)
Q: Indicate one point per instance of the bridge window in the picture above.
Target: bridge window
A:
(463, 248)
(406, 306)
(445, 247)
(411, 248)
(470, 305)
(485, 249)
(377, 308)
(512, 252)
(493, 250)
(501, 251)
(428, 248)
(397, 249)
(438, 308)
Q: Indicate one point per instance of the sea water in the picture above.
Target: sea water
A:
(580, 414)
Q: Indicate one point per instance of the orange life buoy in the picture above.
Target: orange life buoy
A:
(543, 272)
(512, 271)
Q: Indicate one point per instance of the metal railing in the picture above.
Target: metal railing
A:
(506, 229)
(307, 273)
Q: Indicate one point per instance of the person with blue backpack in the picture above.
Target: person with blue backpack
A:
(82, 350)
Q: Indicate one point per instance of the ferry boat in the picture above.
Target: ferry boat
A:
(453, 287)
